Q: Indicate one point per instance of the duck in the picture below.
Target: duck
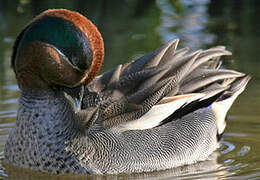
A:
(164, 110)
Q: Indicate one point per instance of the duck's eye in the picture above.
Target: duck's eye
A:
(82, 61)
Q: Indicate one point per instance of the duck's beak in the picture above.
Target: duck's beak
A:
(75, 95)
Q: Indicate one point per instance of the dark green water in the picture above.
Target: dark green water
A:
(133, 28)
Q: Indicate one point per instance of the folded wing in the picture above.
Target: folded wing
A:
(159, 87)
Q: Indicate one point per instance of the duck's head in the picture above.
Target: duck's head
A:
(57, 48)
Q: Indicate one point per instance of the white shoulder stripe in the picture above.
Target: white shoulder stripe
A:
(159, 112)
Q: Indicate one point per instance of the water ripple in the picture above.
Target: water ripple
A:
(228, 147)
(244, 150)
(12, 87)
(7, 114)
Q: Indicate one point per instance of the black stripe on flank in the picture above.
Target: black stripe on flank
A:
(186, 109)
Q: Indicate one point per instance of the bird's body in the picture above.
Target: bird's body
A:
(161, 111)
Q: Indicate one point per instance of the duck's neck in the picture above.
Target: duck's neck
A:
(45, 110)
(43, 130)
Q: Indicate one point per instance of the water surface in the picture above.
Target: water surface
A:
(131, 29)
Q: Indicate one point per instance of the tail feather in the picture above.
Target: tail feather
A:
(170, 51)
(213, 90)
(206, 55)
(180, 52)
(204, 77)
(224, 102)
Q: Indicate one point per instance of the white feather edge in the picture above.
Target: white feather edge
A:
(159, 112)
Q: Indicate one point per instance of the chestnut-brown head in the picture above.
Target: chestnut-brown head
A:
(58, 47)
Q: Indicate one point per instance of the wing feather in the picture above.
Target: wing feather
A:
(146, 92)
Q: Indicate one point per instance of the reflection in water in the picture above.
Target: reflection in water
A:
(185, 21)
(133, 28)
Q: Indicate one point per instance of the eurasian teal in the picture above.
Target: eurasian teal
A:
(164, 110)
